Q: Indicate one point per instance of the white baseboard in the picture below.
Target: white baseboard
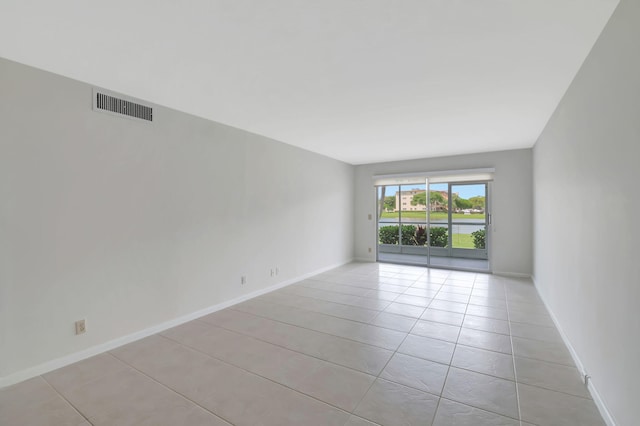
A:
(48, 366)
(364, 259)
(597, 399)
(511, 274)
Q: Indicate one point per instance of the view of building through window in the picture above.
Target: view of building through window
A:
(456, 226)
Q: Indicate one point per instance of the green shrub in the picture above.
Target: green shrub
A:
(408, 235)
(412, 236)
(438, 236)
(388, 234)
(479, 238)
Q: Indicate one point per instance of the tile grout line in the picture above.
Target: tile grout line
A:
(323, 332)
(169, 388)
(444, 384)
(513, 358)
(377, 312)
(65, 398)
(284, 347)
(385, 366)
(253, 373)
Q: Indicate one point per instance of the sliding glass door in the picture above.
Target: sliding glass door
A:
(434, 224)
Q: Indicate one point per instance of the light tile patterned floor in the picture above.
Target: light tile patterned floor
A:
(359, 345)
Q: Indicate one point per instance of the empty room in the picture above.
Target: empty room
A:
(342, 213)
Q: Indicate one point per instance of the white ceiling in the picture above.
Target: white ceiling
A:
(358, 80)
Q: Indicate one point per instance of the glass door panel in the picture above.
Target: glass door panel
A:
(469, 220)
(388, 220)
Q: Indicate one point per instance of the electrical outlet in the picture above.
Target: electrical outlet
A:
(243, 280)
(369, 249)
(81, 326)
(272, 274)
(369, 216)
(277, 270)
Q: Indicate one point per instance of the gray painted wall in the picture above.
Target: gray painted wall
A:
(587, 200)
(130, 224)
(511, 237)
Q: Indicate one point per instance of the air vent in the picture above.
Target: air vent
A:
(105, 102)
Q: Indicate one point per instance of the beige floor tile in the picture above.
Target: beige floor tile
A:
(482, 391)
(336, 287)
(365, 358)
(315, 305)
(391, 404)
(191, 330)
(35, 403)
(330, 296)
(427, 284)
(549, 408)
(331, 383)
(445, 305)
(353, 330)
(486, 324)
(485, 340)
(535, 332)
(130, 398)
(451, 297)
(381, 295)
(427, 293)
(489, 292)
(358, 421)
(487, 301)
(392, 288)
(427, 348)
(436, 330)
(335, 385)
(83, 372)
(427, 376)
(544, 351)
(528, 318)
(445, 317)
(232, 393)
(483, 361)
(396, 281)
(552, 376)
(488, 312)
(451, 413)
(394, 322)
(273, 362)
(457, 289)
(404, 309)
(523, 307)
(407, 299)
(169, 416)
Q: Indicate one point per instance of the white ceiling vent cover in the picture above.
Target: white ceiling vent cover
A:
(119, 105)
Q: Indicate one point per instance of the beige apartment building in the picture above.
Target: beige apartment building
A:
(403, 198)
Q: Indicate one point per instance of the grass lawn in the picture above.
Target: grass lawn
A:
(462, 241)
(434, 215)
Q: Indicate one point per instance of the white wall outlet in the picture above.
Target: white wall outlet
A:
(370, 216)
(277, 270)
(81, 326)
(243, 280)
(272, 273)
(369, 249)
